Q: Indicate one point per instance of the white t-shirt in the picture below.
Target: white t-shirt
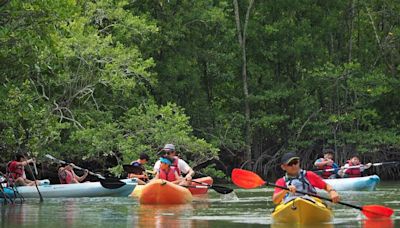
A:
(182, 166)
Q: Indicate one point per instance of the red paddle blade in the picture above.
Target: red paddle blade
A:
(246, 179)
(377, 211)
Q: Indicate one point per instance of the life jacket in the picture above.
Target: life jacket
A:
(175, 165)
(169, 176)
(301, 183)
(356, 172)
(65, 176)
(327, 174)
(15, 171)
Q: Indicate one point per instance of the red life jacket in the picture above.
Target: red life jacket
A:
(327, 174)
(15, 171)
(65, 176)
(170, 176)
(175, 165)
(356, 172)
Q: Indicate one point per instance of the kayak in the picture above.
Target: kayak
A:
(202, 189)
(164, 192)
(137, 191)
(367, 183)
(86, 189)
(302, 211)
(199, 191)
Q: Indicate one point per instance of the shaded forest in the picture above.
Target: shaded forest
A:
(230, 83)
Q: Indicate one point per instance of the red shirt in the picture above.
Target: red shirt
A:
(313, 178)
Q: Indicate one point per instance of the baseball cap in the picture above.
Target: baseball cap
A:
(288, 157)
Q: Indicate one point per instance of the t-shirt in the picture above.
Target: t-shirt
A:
(182, 165)
(137, 164)
(313, 178)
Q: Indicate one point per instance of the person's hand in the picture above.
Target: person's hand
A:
(292, 188)
(368, 165)
(329, 162)
(188, 177)
(334, 196)
(86, 171)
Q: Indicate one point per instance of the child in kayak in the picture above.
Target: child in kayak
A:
(168, 172)
(299, 179)
(327, 163)
(67, 175)
(140, 172)
(354, 168)
(16, 171)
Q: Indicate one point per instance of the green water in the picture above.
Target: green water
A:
(244, 208)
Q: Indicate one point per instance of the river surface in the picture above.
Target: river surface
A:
(243, 208)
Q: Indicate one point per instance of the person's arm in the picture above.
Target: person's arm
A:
(185, 168)
(318, 182)
(24, 163)
(332, 193)
(280, 193)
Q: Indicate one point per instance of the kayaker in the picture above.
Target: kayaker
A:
(168, 172)
(325, 163)
(141, 173)
(357, 170)
(67, 175)
(181, 166)
(298, 179)
(16, 171)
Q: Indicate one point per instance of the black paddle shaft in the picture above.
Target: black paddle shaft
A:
(314, 195)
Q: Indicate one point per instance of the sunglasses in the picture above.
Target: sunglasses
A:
(293, 162)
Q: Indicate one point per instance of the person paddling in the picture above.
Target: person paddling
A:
(168, 172)
(357, 171)
(180, 165)
(16, 171)
(140, 174)
(298, 179)
(327, 163)
(67, 175)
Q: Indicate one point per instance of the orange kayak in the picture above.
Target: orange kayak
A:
(198, 191)
(164, 192)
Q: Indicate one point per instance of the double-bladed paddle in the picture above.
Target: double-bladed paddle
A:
(356, 166)
(248, 179)
(110, 183)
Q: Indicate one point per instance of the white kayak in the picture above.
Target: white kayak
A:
(86, 189)
(367, 183)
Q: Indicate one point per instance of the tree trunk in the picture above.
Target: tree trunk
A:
(242, 42)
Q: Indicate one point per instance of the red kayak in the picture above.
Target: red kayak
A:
(199, 191)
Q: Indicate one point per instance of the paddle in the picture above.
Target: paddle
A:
(110, 183)
(219, 189)
(248, 179)
(355, 167)
(34, 179)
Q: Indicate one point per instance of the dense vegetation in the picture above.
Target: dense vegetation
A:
(239, 81)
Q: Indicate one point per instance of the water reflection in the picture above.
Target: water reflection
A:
(378, 223)
(170, 215)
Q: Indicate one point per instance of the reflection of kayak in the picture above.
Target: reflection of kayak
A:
(164, 192)
(198, 191)
(302, 211)
(86, 189)
(367, 183)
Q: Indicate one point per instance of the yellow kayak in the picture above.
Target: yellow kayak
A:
(302, 211)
